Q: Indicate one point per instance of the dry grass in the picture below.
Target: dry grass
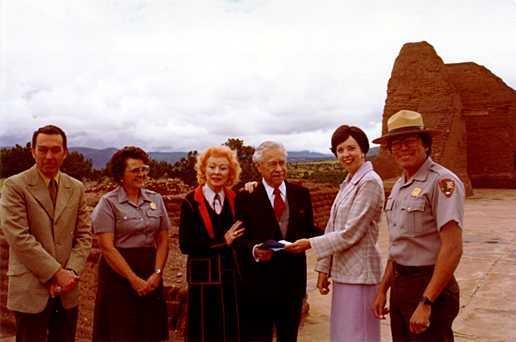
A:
(320, 171)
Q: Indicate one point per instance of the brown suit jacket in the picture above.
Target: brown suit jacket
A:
(42, 240)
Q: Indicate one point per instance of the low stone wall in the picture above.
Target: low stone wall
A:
(174, 273)
(7, 323)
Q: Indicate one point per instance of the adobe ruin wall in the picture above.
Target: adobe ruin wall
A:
(474, 110)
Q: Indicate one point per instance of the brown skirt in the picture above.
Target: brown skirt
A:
(122, 315)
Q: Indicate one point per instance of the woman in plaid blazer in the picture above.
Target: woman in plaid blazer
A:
(347, 252)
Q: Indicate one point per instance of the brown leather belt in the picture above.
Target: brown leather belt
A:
(413, 270)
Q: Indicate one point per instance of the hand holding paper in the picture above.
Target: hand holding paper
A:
(274, 245)
(298, 246)
(262, 254)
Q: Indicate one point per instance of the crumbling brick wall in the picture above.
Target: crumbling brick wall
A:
(489, 110)
(473, 108)
(173, 192)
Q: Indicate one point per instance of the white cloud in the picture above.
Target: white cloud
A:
(184, 75)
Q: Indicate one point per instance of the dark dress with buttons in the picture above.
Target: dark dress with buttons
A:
(212, 272)
(120, 313)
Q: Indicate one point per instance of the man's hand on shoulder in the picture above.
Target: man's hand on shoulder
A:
(249, 187)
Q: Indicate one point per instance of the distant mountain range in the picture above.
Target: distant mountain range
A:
(100, 157)
(373, 152)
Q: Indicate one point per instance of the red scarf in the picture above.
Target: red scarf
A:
(203, 209)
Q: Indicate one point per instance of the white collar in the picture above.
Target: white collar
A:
(209, 194)
(270, 190)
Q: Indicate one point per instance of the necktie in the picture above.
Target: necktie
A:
(217, 206)
(279, 205)
(52, 189)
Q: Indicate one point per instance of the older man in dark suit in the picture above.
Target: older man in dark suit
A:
(44, 220)
(274, 283)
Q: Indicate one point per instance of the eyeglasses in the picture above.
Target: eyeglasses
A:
(409, 142)
(137, 170)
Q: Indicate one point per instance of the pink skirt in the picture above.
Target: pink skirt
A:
(351, 316)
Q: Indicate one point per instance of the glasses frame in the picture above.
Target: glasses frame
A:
(145, 169)
(408, 142)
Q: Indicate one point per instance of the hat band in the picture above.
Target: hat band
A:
(410, 129)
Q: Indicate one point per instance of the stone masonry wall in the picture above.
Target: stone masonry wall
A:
(474, 110)
(489, 110)
(174, 273)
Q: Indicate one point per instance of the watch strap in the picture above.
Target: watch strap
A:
(426, 301)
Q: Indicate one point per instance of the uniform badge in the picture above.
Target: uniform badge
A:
(447, 186)
(153, 206)
(416, 192)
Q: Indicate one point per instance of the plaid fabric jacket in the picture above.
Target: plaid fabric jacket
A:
(348, 249)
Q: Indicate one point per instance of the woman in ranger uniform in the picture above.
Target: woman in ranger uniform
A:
(131, 224)
(207, 231)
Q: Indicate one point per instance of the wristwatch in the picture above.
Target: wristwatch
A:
(157, 271)
(426, 301)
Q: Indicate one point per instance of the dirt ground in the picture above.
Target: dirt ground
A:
(486, 274)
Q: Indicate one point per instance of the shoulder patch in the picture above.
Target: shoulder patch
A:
(447, 186)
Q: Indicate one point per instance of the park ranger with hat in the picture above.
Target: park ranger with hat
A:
(425, 212)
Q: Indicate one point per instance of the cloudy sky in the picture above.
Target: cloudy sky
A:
(185, 74)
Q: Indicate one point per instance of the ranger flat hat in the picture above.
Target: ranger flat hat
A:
(402, 123)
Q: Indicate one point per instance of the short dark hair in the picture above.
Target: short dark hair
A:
(117, 164)
(342, 133)
(49, 129)
(427, 142)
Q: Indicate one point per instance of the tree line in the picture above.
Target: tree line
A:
(19, 158)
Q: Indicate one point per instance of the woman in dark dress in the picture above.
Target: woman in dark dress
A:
(131, 224)
(207, 231)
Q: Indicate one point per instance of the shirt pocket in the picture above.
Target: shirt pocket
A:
(389, 205)
(413, 211)
(129, 224)
(153, 219)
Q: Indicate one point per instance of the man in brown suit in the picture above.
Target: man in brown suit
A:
(43, 217)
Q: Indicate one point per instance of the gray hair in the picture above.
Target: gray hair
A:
(267, 145)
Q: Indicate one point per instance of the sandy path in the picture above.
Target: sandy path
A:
(486, 274)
